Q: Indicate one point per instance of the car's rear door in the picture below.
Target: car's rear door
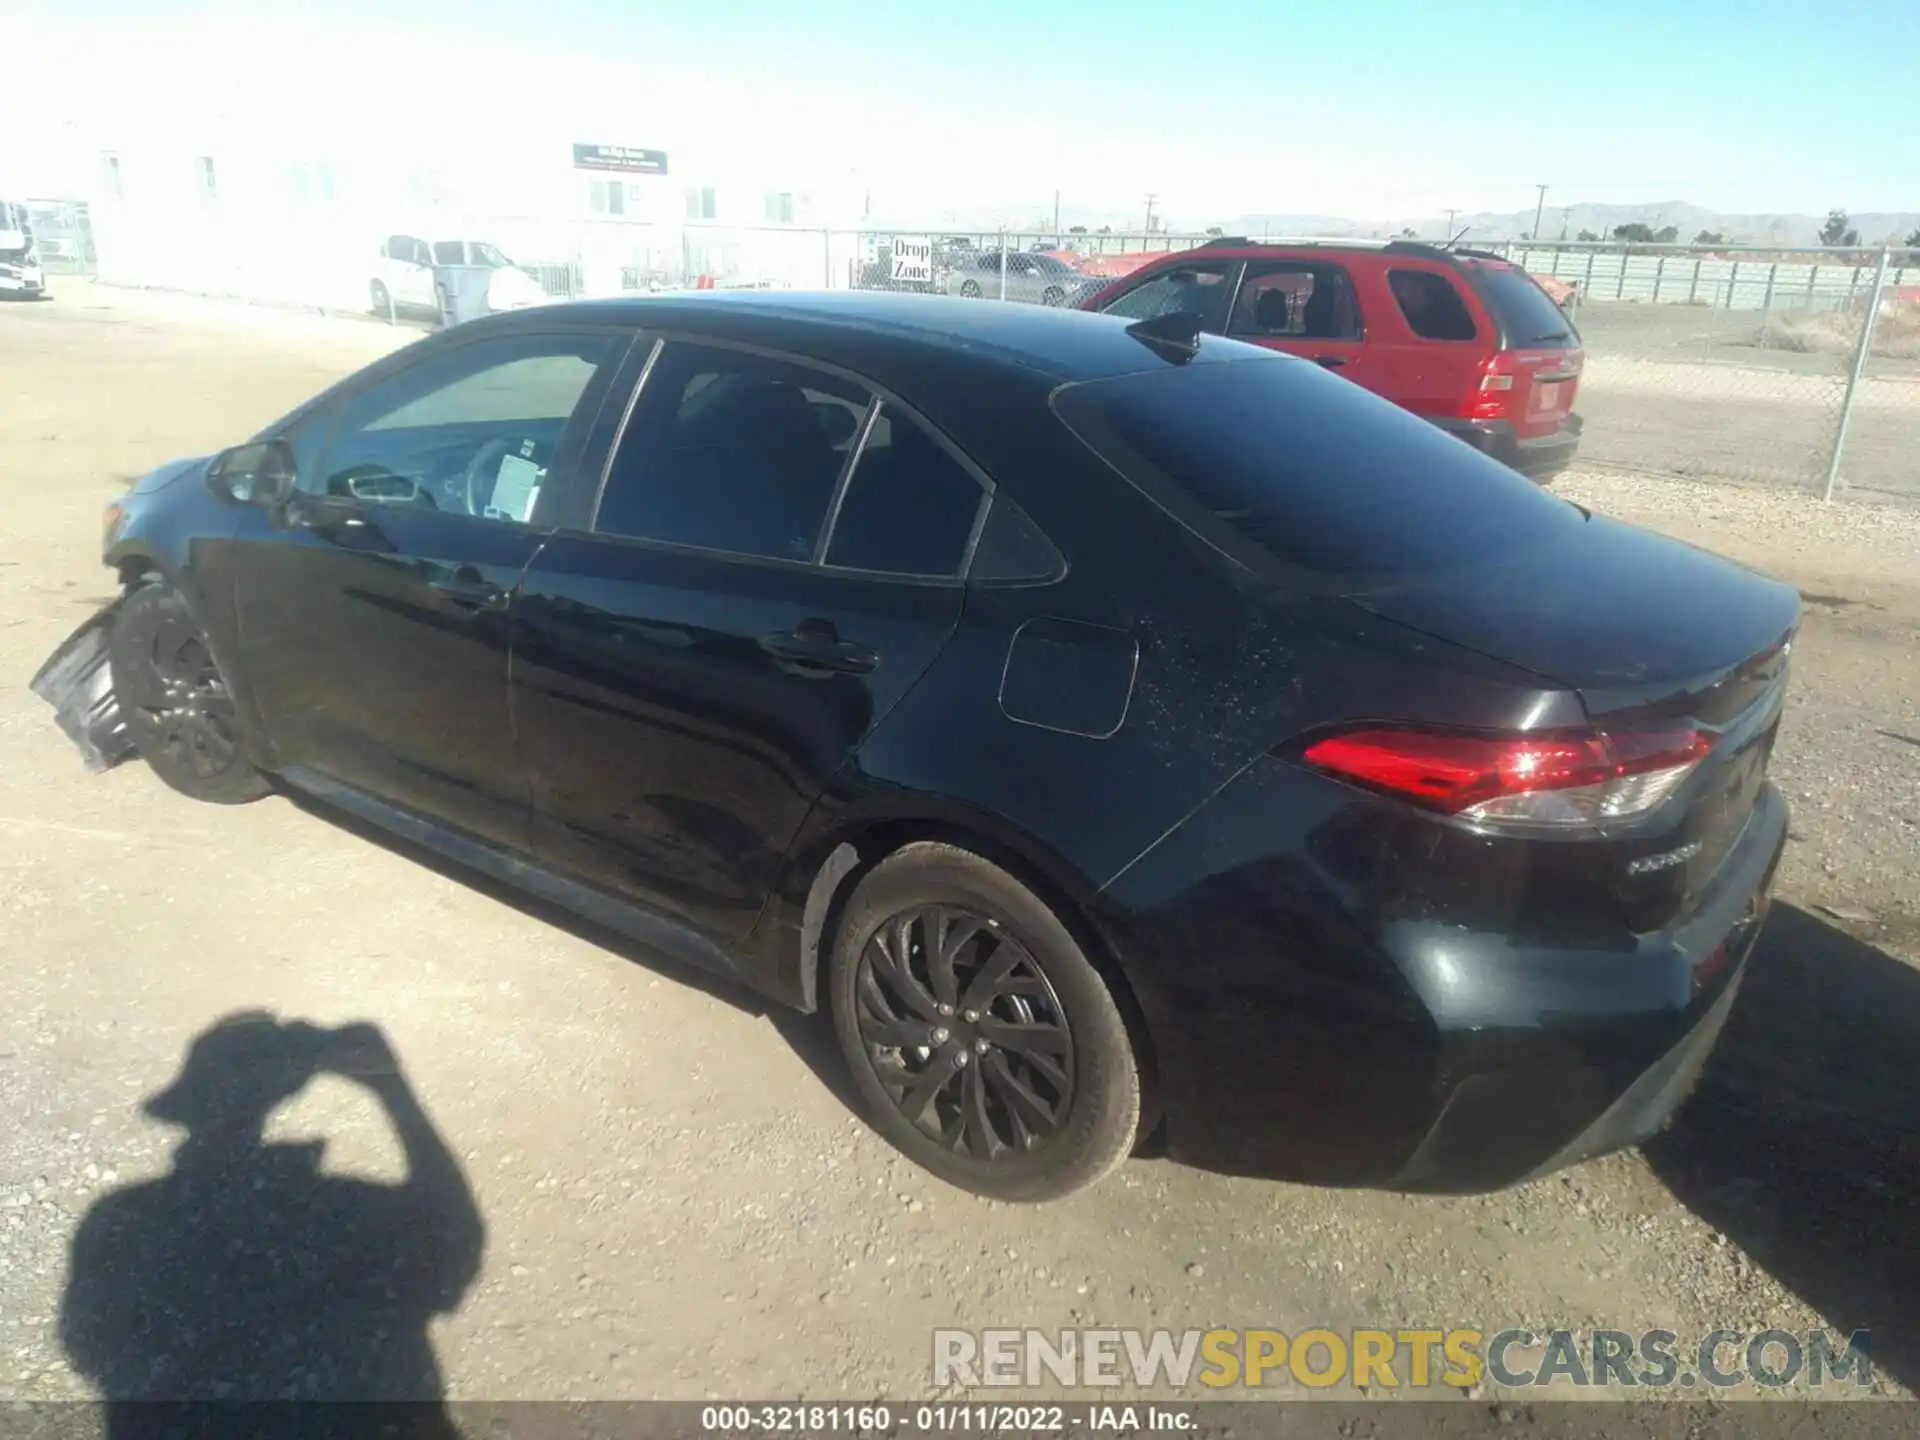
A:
(374, 603)
(1430, 336)
(775, 557)
(1307, 307)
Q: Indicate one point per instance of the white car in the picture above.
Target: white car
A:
(20, 272)
(404, 280)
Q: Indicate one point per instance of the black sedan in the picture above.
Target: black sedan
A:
(1111, 727)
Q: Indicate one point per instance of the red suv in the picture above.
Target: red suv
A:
(1459, 337)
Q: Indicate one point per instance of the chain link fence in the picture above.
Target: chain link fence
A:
(1747, 364)
(1789, 367)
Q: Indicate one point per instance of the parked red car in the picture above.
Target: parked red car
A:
(1459, 337)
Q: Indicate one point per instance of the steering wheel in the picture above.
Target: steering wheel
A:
(482, 471)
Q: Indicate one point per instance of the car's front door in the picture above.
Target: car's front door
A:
(775, 558)
(1202, 287)
(374, 602)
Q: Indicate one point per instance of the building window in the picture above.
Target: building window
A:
(110, 176)
(606, 197)
(209, 184)
(312, 181)
(781, 209)
(700, 203)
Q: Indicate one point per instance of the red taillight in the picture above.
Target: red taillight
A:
(1493, 396)
(1559, 781)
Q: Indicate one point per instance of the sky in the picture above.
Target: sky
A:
(1372, 109)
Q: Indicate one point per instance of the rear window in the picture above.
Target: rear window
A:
(1525, 311)
(1275, 459)
(1433, 308)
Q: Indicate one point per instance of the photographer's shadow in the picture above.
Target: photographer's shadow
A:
(247, 1273)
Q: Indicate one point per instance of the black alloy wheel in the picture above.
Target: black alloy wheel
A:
(964, 1032)
(986, 1046)
(179, 709)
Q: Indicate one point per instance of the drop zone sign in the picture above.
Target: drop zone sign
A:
(913, 258)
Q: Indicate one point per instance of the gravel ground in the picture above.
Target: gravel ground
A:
(652, 1187)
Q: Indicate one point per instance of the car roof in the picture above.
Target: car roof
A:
(1241, 247)
(853, 328)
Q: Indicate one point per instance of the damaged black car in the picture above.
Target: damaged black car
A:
(1115, 729)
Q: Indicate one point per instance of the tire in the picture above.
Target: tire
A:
(1060, 1050)
(382, 302)
(179, 710)
(970, 289)
(1053, 295)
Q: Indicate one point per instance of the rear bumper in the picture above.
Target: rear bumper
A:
(1539, 457)
(1300, 1036)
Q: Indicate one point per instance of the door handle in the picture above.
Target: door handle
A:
(466, 589)
(1331, 362)
(816, 645)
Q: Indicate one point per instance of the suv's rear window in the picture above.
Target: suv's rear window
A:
(1308, 469)
(1525, 311)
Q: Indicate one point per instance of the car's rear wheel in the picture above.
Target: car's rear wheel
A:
(382, 301)
(179, 710)
(983, 1041)
(1053, 295)
(970, 289)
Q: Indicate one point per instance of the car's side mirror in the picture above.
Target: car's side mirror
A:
(259, 473)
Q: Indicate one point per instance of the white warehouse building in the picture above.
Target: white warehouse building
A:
(247, 188)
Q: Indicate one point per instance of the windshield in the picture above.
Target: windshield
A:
(1276, 458)
(1524, 310)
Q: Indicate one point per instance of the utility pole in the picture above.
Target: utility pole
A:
(1450, 215)
(1150, 199)
(1056, 217)
(1537, 209)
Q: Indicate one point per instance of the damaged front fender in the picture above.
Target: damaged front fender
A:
(77, 681)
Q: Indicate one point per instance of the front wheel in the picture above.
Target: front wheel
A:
(1053, 295)
(382, 302)
(970, 289)
(179, 710)
(986, 1046)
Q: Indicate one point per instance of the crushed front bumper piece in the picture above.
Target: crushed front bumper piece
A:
(78, 682)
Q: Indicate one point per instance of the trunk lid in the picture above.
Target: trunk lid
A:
(1654, 636)
(1634, 621)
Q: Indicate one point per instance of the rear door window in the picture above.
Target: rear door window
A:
(732, 452)
(1202, 289)
(1432, 306)
(1293, 300)
(910, 507)
(1273, 460)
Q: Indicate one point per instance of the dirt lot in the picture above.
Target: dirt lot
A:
(664, 1192)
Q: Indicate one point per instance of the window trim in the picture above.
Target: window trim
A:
(878, 395)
